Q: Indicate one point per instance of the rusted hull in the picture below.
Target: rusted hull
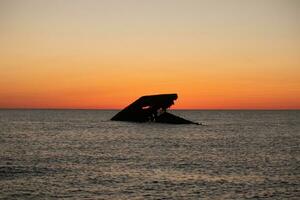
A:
(151, 108)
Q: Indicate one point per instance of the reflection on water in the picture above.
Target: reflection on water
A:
(81, 154)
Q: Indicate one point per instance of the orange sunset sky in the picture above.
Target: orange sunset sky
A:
(233, 54)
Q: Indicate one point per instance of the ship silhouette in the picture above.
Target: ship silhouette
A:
(151, 108)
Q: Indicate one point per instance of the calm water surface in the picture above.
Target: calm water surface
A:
(80, 154)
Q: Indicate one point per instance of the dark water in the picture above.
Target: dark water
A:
(80, 155)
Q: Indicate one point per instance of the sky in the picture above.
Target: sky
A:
(103, 54)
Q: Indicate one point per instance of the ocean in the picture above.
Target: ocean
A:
(81, 154)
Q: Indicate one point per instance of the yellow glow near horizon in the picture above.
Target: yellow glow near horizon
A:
(104, 54)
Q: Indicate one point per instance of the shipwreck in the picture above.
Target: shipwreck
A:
(151, 108)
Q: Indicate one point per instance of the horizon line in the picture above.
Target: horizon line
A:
(208, 109)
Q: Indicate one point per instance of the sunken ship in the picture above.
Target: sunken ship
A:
(151, 108)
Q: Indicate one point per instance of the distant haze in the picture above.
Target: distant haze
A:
(233, 54)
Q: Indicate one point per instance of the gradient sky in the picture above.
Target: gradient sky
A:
(233, 54)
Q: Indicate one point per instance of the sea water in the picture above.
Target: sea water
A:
(80, 154)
